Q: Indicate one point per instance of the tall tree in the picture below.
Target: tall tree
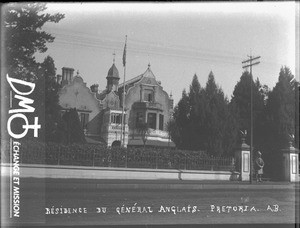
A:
(24, 37)
(217, 114)
(204, 121)
(72, 129)
(232, 132)
(46, 101)
(181, 117)
(194, 95)
(52, 108)
(281, 109)
(196, 115)
(172, 130)
(281, 120)
(241, 99)
(297, 114)
(260, 123)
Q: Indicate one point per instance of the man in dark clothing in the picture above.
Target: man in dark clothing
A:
(259, 165)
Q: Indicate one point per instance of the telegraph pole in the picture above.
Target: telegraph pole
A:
(250, 63)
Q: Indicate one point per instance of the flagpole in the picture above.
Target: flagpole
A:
(123, 100)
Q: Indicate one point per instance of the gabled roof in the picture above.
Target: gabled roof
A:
(101, 95)
(147, 74)
(131, 81)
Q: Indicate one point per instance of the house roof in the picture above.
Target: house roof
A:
(101, 95)
(131, 81)
(147, 74)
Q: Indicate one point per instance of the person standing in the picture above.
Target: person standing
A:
(259, 165)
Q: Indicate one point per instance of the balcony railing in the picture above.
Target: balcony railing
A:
(148, 105)
(118, 127)
(158, 133)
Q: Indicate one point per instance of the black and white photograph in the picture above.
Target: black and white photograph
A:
(150, 114)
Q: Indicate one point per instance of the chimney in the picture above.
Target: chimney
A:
(67, 74)
(94, 88)
(171, 101)
(58, 79)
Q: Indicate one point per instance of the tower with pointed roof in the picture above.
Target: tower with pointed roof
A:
(112, 78)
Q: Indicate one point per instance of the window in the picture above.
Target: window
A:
(116, 118)
(148, 95)
(112, 118)
(124, 118)
(152, 120)
(161, 122)
(84, 119)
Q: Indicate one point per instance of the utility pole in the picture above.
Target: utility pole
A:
(250, 63)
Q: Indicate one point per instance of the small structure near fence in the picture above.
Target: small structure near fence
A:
(290, 163)
(242, 159)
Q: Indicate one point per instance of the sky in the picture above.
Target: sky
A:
(177, 39)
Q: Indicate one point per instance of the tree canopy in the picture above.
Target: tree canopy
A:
(203, 120)
(71, 128)
(51, 99)
(281, 109)
(241, 99)
(181, 117)
(24, 37)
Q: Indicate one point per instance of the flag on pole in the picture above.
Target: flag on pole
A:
(124, 53)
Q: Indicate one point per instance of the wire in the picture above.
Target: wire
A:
(108, 41)
(66, 38)
(163, 51)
